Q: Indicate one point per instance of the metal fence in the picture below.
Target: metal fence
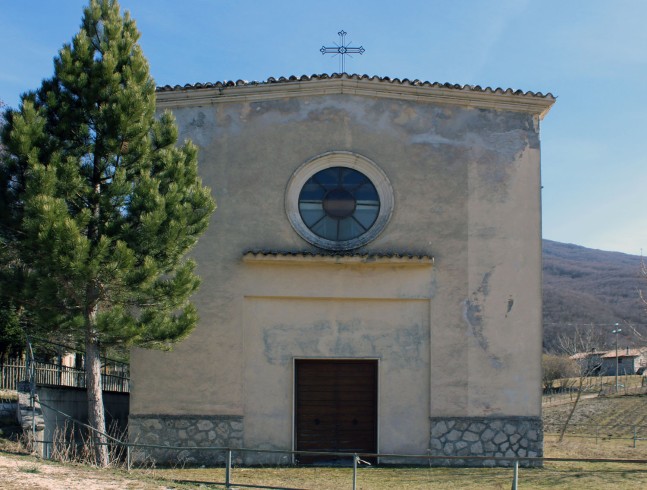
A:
(50, 374)
(235, 474)
(132, 454)
(601, 432)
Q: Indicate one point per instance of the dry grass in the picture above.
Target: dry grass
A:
(563, 475)
(601, 383)
(8, 395)
(593, 386)
(605, 417)
(559, 475)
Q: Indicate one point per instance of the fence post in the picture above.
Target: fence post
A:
(128, 458)
(355, 458)
(635, 435)
(515, 474)
(597, 431)
(228, 469)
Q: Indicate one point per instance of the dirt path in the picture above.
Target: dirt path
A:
(19, 472)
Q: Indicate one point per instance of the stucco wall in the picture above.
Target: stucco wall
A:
(466, 186)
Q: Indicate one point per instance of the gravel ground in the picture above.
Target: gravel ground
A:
(19, 472)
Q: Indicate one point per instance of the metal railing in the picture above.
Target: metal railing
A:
(226, 456)
(50, 374)
(600, 432)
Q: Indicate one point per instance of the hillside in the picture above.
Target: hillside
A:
(587, 286)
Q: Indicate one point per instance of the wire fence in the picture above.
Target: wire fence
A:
(140, 455)
(594, 386)
(599, 432)
(234, 473)
(235, 462)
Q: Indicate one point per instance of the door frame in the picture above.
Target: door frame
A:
(294, 395)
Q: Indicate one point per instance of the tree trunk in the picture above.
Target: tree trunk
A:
(96, 414)
(570, 415)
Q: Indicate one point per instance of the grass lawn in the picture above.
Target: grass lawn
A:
(621, 410)
(19, 471)
(592, 476)
(560, 475)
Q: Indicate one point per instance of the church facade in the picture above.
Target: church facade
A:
(371, 277)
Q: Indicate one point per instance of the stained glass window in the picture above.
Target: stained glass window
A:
(339, 203)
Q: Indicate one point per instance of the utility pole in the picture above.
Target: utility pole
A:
(617, 331)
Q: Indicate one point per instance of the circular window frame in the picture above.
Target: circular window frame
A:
(339, 159)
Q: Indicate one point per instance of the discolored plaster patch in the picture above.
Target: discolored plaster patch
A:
(472, 312)
(282, 106)
(282, 342)
(198, 126)
(198, 120)
(509, 307)
(330, 115)
(404, 345)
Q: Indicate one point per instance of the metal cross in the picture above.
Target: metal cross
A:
(342, 49)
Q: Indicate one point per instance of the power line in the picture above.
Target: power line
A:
(569, 324)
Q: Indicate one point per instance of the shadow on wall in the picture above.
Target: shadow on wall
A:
(73, 403)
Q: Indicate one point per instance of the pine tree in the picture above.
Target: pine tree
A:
(99, 203)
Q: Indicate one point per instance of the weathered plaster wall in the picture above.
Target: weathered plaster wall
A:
(466, 187)
(393, 331)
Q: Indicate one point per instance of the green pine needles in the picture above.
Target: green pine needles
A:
(98, 204)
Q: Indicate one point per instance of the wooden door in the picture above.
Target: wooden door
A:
(336, 408)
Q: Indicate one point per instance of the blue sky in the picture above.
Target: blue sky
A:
(591, 54)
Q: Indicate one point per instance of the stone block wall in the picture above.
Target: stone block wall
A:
(510, 437)
(183, 436)
(190, 431)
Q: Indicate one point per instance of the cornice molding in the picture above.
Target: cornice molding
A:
(466, 97)
(282, 258)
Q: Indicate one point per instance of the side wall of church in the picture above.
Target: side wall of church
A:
(456, 341)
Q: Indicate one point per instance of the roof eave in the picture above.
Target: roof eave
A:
(466, 96)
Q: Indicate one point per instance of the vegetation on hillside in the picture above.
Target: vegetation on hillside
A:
(583, 286)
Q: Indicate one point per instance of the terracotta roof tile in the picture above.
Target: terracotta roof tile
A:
(397, 81)
(364, 255)
(626, 353)
(585, 355)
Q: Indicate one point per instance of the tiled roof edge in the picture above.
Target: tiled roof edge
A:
(333, 253)
(397, 81)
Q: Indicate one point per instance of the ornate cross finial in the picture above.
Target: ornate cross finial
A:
(342, 49)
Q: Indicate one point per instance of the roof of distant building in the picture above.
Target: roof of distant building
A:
(586, 355)
(626, 353)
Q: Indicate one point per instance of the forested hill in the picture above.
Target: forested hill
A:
(587, 286)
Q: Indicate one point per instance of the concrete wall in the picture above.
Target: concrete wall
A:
(461, 338)
(73, 402)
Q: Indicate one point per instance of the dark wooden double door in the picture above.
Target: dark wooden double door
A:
(336, 408)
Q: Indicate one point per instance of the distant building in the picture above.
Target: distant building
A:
(590, 363)
(629, 361)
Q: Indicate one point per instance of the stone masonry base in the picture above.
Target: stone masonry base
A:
(186, 431)
(486, 436)
(495, 437)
